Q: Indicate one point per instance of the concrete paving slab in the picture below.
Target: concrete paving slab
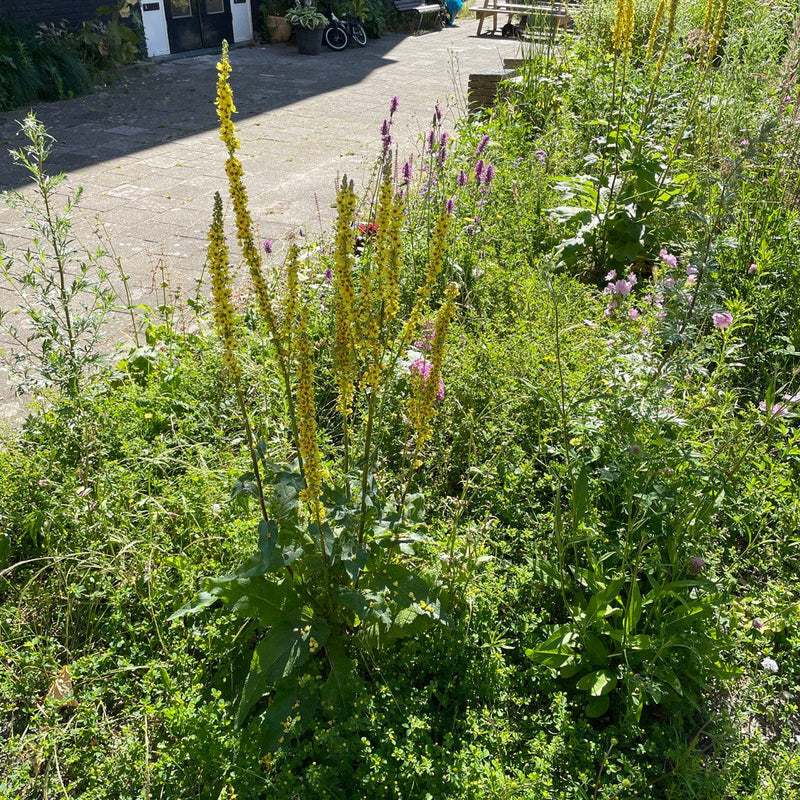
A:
(147, 152)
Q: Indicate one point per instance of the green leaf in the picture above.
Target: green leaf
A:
(597, 706)
(634, 610)
(259, 597)
(279, 654)
(339, 688)
(281, 705)
(597, 683)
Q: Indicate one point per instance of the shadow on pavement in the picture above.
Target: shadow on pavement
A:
(155, 103)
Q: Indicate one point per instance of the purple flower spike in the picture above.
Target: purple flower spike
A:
(443, 138)
(541, 155)
(451, 205)
(430, 138)
(438, 115)
(479, 165)
(407, 171)
(394, 104)
(268, 246)
(385, 127)
(462, 178)
(488, 176)
(482, 144)
(328, 276)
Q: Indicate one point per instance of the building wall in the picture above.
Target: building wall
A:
(74, 11)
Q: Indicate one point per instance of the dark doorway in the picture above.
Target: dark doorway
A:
(196, 24)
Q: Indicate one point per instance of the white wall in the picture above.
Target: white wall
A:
(155, 27)
(242, 21)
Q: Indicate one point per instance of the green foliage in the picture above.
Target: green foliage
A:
(600, 599)
(39, 65)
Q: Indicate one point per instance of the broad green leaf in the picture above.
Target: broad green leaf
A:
(281, 651)
(280, 710)
(597, 683)
(597, 706)
(338, 689)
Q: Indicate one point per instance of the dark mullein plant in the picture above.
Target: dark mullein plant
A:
(334, 573)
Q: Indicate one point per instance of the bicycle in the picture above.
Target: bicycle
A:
(339, 32)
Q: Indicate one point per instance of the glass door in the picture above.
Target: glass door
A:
(196, 24)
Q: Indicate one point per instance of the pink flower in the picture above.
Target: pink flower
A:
(777, 410)
(722, 320)
(633, 313)
(696, 565)
(669, 283)
(752, 269)
(667, 257)
(792, 398)
(267, 246)
(590, 324)
(622, 287)
(394, 104)
(611, 275)
(422, 367)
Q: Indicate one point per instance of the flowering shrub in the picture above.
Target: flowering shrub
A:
(333, 572)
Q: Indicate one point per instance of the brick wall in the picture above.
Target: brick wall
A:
(74, 11)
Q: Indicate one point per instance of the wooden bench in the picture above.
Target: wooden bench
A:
(555, 14)
(423, 10)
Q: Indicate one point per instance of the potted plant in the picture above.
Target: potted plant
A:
(276, 28)
(309, 24)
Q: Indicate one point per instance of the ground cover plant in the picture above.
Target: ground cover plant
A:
(490, 493)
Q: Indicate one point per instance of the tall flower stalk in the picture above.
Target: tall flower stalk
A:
(244, 226)
(226, 327)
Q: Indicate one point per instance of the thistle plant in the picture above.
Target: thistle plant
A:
(334, 547)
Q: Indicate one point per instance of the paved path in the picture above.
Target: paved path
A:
(146, 149)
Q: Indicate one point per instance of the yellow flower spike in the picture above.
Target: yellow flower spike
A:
(425, 379)
(623, 27)
(238, 194)
(290, 301)
(436, 261)
(307, 418)
(224, 102)
(654, 28)
(344, 297)
(221, 291)
(716, 33)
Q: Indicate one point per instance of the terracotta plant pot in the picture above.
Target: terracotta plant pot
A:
(279, 29)
(309, 40)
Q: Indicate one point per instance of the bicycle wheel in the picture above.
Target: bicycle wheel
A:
(335, 37)
(359, 34)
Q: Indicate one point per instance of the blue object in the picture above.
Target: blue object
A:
(453, 7)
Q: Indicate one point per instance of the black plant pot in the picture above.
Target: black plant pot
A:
(309, 40)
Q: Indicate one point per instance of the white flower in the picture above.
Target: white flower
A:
(769, 664)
